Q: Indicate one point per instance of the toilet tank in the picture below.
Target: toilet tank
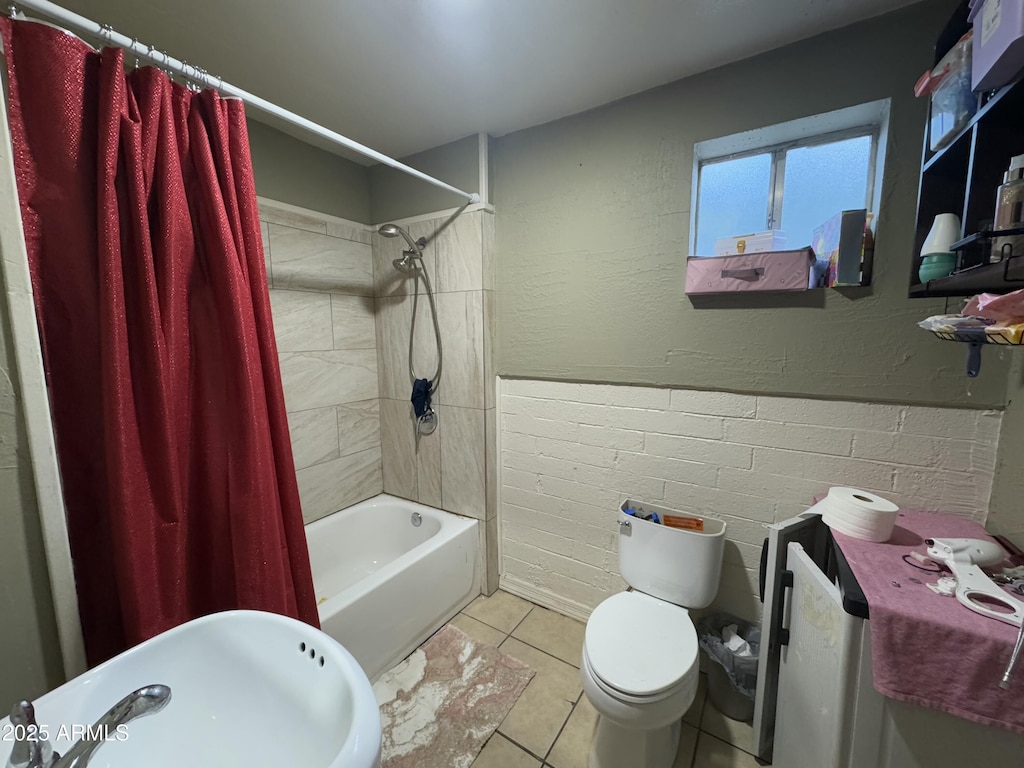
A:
(674, 564)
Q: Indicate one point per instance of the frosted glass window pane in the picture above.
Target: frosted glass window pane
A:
(820, 182)
(733, 199)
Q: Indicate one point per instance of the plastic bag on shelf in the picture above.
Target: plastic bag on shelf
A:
(952, 323)
(953, 100)
(1005, 308)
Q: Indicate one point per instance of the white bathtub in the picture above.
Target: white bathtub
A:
(383, 585)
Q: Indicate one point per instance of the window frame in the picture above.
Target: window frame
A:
(870, 119)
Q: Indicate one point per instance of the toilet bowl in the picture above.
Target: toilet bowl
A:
(639, 666)
(640, 689)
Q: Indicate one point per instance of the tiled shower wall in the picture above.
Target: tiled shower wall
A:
(571, 453)
(342, 317)
(453, 468)
(320, 271)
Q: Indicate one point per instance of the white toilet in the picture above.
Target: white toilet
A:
(639, 664)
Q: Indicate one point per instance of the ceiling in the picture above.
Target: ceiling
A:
(405, 75)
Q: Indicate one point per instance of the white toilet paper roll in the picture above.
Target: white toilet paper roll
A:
(859, 514)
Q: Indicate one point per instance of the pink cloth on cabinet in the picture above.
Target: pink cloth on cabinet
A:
(928, 649)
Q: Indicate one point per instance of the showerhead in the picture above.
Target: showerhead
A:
(393, 230)
(408, 261)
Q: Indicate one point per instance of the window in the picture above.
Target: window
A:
(790, 177)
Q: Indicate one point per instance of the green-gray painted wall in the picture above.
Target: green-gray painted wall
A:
(592, 225)
(30, 661)
(395, 195)
(294, 172)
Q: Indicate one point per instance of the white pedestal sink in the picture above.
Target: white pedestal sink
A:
(247, 688)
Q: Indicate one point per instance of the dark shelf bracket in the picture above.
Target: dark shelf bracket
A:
(988, 234)
(1007, 257)
(974, 358)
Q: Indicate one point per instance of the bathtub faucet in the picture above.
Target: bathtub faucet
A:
(34, 750)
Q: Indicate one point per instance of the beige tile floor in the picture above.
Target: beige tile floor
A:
(551, 723)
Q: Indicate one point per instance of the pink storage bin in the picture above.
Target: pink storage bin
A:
(998, 53)
(767, 271)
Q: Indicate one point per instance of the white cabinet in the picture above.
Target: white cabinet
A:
(813, 668)
(818, 706)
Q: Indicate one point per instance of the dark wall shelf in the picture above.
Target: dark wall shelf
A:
(1001, 277)
(962, 178)
(988, 103)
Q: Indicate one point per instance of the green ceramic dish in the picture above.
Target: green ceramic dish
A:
(936, 265)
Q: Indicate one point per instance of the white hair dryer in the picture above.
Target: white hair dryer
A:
(964, 557)
(975, 590)
(976, 551)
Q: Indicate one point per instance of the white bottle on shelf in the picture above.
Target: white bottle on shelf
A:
(944, 232)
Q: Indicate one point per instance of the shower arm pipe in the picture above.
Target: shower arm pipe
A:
(448, 221)
(82, 25)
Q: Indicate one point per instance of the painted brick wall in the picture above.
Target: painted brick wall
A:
(570, 453)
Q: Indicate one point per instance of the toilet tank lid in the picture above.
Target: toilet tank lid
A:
(639, 644)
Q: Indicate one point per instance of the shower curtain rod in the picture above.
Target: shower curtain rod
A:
(200, 76)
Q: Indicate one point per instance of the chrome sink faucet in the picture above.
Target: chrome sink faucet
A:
(32, 747)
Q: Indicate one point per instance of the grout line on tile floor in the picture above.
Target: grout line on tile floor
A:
(499, 629)
(712, 736)
(484, 745)
(559, 734)
(541, 650)
(532, 606)
(509, 738)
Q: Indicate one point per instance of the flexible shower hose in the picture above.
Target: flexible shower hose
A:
(437, 329)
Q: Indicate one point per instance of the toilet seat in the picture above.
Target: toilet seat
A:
(640, 646)
(627, 698)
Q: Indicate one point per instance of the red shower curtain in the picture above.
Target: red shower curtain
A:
(143, 236)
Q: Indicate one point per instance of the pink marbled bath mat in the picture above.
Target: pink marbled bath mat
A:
(440, 705)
